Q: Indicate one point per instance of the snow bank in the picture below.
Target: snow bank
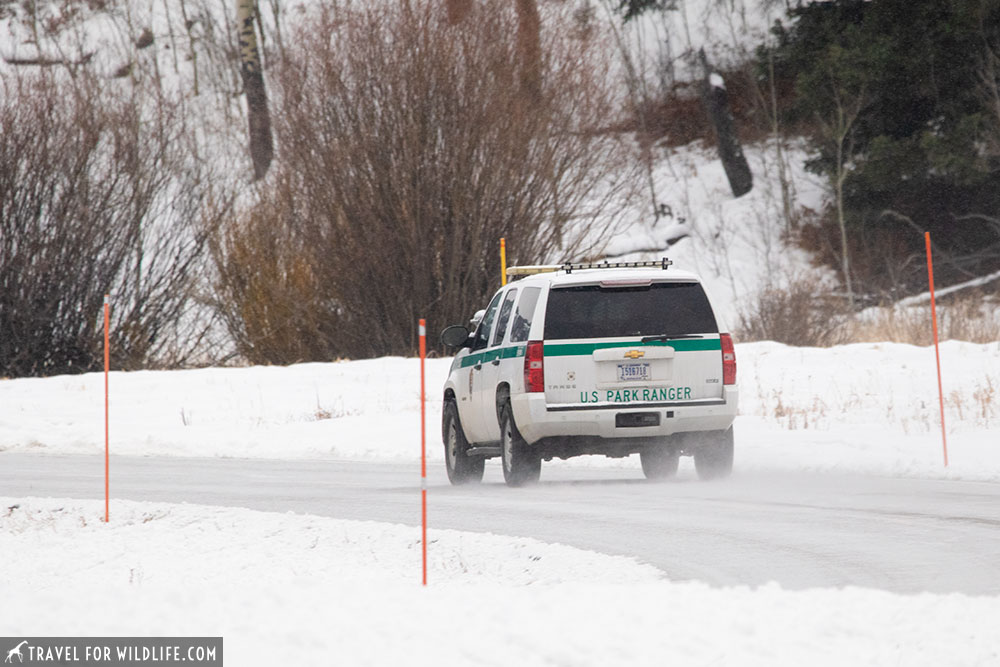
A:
(869, 408)
(292, 589)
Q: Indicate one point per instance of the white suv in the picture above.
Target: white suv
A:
(607, 359)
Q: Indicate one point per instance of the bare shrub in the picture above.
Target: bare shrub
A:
(405, 152)
(264, 274)
(95, 197)
(801, 314)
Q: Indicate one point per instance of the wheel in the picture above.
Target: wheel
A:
(713, 459)
(659, 462)
(462, 469)
(520, 464)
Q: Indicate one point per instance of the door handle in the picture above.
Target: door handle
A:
(495, 362)
(478, 367)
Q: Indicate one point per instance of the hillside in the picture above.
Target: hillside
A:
(202, 266)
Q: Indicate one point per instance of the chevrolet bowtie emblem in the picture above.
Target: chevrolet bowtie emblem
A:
(634, 354)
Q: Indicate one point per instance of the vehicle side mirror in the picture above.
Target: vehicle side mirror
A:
(455, 336)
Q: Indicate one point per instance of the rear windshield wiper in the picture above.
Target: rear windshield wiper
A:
(664, 337)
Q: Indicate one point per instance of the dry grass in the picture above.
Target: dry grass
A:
(795, 417)
(969, 318)
(806, 315)
(975, 406)
(985, 397)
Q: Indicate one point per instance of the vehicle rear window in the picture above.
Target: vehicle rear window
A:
(590, 311)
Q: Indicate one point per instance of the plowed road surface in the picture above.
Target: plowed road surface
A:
(798, 529)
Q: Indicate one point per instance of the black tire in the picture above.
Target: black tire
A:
(520, 464)
(713, 459)
(659, 462)
(462, 469)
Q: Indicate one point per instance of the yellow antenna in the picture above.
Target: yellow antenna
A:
(503, 261)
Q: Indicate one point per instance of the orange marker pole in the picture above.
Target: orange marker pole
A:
(937, 354)
(503, 261)
(423, 447)
(107, 364)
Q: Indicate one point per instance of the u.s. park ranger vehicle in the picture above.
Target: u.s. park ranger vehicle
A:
(610, 359)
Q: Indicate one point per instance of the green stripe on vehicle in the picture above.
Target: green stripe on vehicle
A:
(579, 349)
(509, 352)
(684, 345)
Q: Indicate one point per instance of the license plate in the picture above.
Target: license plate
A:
(628, 372)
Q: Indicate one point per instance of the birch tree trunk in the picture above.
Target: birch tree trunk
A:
(261, 145)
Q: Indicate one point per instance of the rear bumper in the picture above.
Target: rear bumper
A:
(536, 420)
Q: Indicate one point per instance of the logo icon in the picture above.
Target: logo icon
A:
(634, 354)
(16, 651)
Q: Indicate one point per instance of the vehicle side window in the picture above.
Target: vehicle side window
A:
(508, 305)
(522, 316)
(483, 332)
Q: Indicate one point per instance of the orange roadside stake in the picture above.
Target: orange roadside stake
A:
(937, 353)
(423, 450)
(107, 364)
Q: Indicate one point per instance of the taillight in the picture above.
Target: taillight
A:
(728, 359)
(534, 367)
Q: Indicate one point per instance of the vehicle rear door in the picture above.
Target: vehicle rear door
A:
(623, 343)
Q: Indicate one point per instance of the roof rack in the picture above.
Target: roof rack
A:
(661, 263)
(569, 267)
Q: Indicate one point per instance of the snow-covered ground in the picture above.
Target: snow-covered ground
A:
(869, 408)
(293, 589)
(307, 590)
(288, 589)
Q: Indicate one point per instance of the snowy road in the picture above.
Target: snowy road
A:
(798, 529)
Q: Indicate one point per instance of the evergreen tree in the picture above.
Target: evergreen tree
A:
(894, 92)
